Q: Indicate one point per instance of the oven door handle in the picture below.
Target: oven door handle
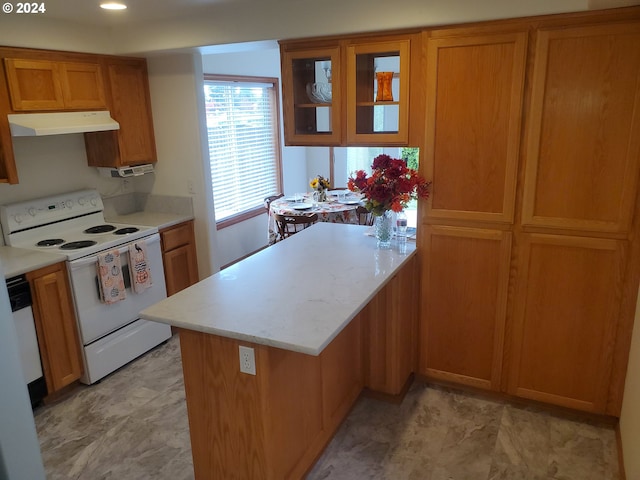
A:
(81, 262)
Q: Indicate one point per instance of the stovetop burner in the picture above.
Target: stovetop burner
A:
(50, 242)
(125, 230)
(78, 244)
(100, 229)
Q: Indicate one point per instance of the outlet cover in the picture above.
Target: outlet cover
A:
(247, 360)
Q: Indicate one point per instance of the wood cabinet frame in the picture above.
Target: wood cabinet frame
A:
(518, 41)
(625, 191)
(56, 326)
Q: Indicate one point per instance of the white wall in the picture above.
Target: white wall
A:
(630, 416)
(246, 237)
(56, 164)
(177, 102)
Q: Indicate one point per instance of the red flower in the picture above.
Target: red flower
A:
(391, 185)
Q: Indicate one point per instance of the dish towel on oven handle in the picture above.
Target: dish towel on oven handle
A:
(110, 277)
(139, 267)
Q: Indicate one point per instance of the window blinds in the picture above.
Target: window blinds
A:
(241, 127)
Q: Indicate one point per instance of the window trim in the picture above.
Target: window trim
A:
(258, 210)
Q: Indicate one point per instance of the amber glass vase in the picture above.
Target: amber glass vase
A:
(384, 87)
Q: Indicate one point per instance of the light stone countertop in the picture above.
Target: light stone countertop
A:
(296, 295)
(151, 219)
(16, 261)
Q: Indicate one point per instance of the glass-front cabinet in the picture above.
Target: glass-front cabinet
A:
(377, 93)
(312, 96)
(347, 91)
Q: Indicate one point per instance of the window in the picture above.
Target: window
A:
(244, 150)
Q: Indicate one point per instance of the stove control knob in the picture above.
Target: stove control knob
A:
(32, 212)
(68, 203)
(18, 218)
(82, 200)
(94, 201)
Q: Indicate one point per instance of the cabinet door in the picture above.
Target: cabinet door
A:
(474, 105)
(464, 298)
(56, 326)
(131, 107)
(180, 268)
(312, 97)
(566, 311)
(82, 86)
(583, 149)
(374, 118)
(34, 84)
(390, 328)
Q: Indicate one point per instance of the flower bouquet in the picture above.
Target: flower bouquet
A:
(320, 186)
(391, 186)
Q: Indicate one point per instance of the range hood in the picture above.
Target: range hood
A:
(58, 123)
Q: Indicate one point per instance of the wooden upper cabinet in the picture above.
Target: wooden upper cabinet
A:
(130, 105)
(82, 85)
(42, 85)
(312, 96)
(34, 84)
(374, 117)
(583, 132)
(465, 277)
(473, 123)
(331, 92)
(566, 315)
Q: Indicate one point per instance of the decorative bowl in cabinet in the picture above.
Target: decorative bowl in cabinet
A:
(319, 92)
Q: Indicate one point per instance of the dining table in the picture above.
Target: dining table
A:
(340, 207)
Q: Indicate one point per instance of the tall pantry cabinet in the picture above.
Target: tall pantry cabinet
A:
(475, 85)
(529, 242)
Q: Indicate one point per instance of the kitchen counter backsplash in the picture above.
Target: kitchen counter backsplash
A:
(134, 202)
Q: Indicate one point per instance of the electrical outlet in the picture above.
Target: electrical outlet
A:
(247, 360)
(191, 187)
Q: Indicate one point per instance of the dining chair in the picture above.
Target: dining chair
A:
(365, 217)
(268, 200)
(290, 224)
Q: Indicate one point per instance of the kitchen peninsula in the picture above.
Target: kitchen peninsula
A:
(326, 314)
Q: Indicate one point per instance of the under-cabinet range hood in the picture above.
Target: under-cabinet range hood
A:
(59, 123)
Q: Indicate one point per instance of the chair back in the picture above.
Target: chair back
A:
(290, 224)
(365, 217)
(268, 200)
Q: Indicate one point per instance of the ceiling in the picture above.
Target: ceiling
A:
(143, 12)
(155, 26)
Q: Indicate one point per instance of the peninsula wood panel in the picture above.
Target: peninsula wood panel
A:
(475, 88)
(465, 281)
(566, 315)
(56, 326)
(390, 332)
(583, 148)
(272, 425)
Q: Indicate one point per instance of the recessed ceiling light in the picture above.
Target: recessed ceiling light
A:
(113, 6)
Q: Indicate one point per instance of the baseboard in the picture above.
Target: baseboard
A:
(623, 475)
(564, 412)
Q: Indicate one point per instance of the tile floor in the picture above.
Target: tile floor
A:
(133, 426)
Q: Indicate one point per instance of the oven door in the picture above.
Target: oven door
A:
(97, 319)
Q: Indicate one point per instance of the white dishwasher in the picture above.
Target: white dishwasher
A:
(20, 299)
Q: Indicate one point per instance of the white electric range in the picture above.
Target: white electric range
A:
(73, 224)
